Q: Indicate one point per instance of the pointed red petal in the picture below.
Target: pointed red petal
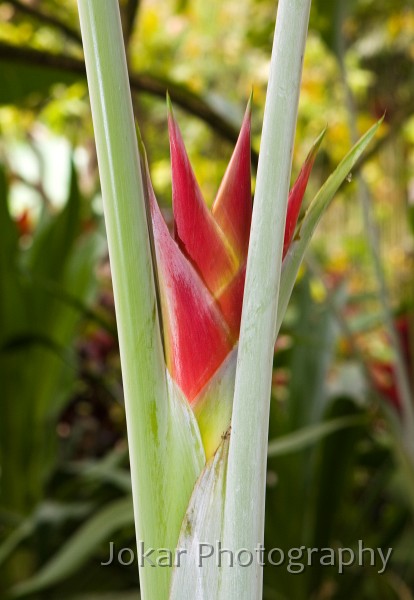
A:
(195, 229)
(231, 302)
(232, 208)
(196, 337)
(296, 194)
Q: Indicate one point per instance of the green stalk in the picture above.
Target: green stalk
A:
(143, 367)
(245, 490)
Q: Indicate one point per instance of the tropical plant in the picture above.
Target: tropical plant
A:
(340, 467)
(165, 448)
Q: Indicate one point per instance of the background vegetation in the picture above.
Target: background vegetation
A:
(340, 462)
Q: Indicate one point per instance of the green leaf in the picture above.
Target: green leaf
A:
(75, 300)
(308, 436)
(14, 540)
(297, 424)
(20, 343)
(313, 215)
(37, 335)
(55, 237)
(106, 470)
(27, 82)
(329, 17)
(80, 547)
(336, 469)
(11, 302)
(47, 512)
(314, 335)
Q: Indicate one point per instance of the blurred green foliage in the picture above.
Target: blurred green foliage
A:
(337, 472)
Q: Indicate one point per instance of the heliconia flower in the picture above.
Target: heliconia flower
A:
(197, 338)
(24, 223)
(383, 373)
(215, 242)
(201, 268)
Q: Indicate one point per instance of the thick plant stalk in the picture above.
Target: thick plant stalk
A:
(245, 489)
(164, 452)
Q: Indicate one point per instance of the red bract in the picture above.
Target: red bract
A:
(201, 272)
(196, 337)
(24, 223)
(295, 198)
(232, 208)
(383, 373)
(215, 242)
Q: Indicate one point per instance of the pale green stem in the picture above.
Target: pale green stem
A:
(141, 351)
(245, 490)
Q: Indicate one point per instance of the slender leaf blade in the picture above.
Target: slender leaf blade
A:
(308, 436)
(311, 219)
(80, 547)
